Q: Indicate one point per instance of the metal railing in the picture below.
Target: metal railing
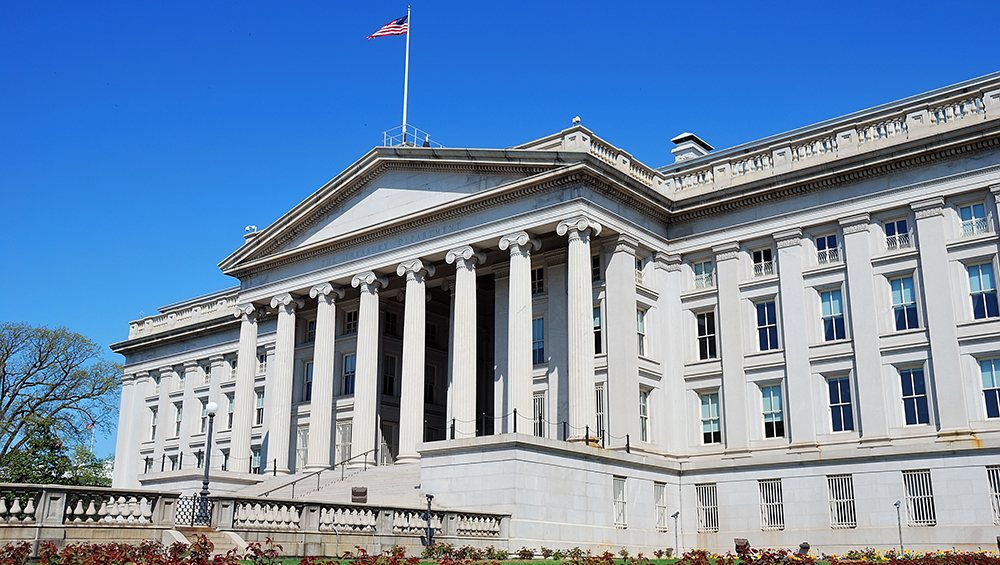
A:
(763, 269)
(898, 241)
(977, 226)
(318, 474)
(408, 136)
(826, 256)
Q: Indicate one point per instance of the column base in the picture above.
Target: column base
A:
(954, 435)
(803, 447)
(739, 453)
(874, 441)
(362, 463)
(582, 438)
(279, 473)
(407, 459)
(313, 467)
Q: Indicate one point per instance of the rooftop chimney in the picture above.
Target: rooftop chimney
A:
(689, 146)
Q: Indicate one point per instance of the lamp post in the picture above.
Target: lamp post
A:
(899, 526)
(677, 546)
(211, 408)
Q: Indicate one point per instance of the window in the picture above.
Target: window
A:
(538, 341)
(707, 507)
(307, 383)
(774, 421)
(660, 504)
(983, 289)
(538, 280)
(827, 250)
(389, 375)
(710, 429)
(156, 384)
(763, 265)
(706, 336)
(261, 363)
(704, 277)
(833, 315)
(640, 328)
(993, 473)
(230, 401)
(904, 303)
(391, 325)
(767, 326)
(255, 460)
(990, 371)
(430, 334)
(621, 512)
(644, 415)
(311, 331)
(343, 439)
(539, 416)
(181, 376)
(974, 220)
(178, 417)
(430, 376)
(207, 374)
(173, 462)
(640, 270)
(204, 415)
(914, 396)
(597, 331)
(301, 448)
(841, 489)
(149, 466)
(259, 410)
(897, 235)
(919, 498)
(199, 459)
(152, 423)
(233, 363)
(772, 509)
(841, 415)
(351, 322)
(349, 366)
(599, 398)
(595, 268)
(225, 459)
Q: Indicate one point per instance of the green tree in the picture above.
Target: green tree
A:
(43, 460)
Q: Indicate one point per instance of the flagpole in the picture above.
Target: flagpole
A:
(406, 72)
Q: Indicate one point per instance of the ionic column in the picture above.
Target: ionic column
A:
(279, 434)
(462, 393)
(246, 371)
(731, 330)
(519, 363)
(324, 360)
(124, 473)
(366, 373)
(580, 326)
(411, 397)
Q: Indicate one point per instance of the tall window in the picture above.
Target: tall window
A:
(225, 459)
(152, 422)
(841, 414)
(640, 328)
(261, 363)
(255, 460)
(833, 315)
(660, 504)
(343, 439)
(763, 265)
(389, 375)
(307, 389)
(181, 376)
(904, 303)
(311, 331)
(538, 280)
(767, 326)
(595, 268)
(391, 326)
(599, 399)
(206, 372)
(919, 498)
(706, 336)
(827, 250)
(259, 410)
(173, 462)
(983, 289)
(621, 511)
(149, 466)
(538, 341)
(710, 429)
(230, 406)
(772, 507)
(974, 220)
(841, 489)
(704, 276)
(204, 415)
(993, 474)
(640, 270)
(178, 417)
(431, 334)
(199, 459)
(774, 420)
(897, 235)
(349, 367)
(644, 415)
(156, 384)
(914, 396)
(538, 402)
(351, 322)
(301, 448)
(989, 369)
(597, 331)
(707, 507)
(430, 376)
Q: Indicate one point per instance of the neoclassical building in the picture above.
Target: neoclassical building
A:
(775, 341)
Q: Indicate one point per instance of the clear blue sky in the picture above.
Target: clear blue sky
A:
(137, 139)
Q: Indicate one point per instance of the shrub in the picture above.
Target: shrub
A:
(525, 553)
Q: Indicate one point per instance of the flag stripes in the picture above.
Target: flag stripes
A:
(395, 27)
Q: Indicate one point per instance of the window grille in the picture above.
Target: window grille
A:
(152, 423)
(207, 374)
(538, 341)
(763, 263)
(704, 277)
(156, 384)
(774, 421)
(904, 303)
(311, 331)
(897, 235)
(711, 431)
(983, 290)
(914, 396)
(343, 439)
(599, 394)
(772, 509)
(989, 370)
(706, 336)
(827, 250)
(644, 415)
(975, 221)
(538, 280)
(841, 413)
(262, 363)
(660, 503)
(708, 508)
(232, 368)
(181, 376)
(230, 401)
(539, 417)
(842, 514)
(919, 498)
(621, 512)
(259, 410)
(767, 326)
(833, 315)
(993, 473)
(351, 322)
(640, 271)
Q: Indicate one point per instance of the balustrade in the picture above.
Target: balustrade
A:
(957, 110)
(477, 525)
(814, 148)
(93, 508)
(347, 519)
(899, 241)
(413, 522)
(752, 164)
(18, 505)
(882, 130)
(977, 226)
(694, 179)
(763, 269)
(267, 516)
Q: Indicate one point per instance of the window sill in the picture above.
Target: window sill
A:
(696, 293)
(968, 323)
(894, 255)
(971, 241)
(825, 268)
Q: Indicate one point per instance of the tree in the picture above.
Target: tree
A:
(43, 460)
(53, 383)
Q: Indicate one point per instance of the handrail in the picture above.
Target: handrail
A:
(342, 464)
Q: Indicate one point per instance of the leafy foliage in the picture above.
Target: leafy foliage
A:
(43, 460)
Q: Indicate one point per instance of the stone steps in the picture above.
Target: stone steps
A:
(222, 541)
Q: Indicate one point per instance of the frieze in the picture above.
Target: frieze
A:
(726, 251)
(855, 224)
(928, 208)
(788, 238)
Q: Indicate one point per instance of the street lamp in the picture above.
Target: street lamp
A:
(203, 518)
(677, 546)
(899, 526)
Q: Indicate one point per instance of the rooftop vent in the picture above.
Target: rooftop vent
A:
(689, 146)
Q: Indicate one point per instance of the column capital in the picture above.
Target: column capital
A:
(517, 240)
(190, 364)
(928, 208)
(287, 302)
(467, 254)
(216, 360)
(368, 281)
(726, 251)
(788, 238)
(128, 379)
(248, 310)
(142, 376)
(415, 268)
(326, 291)
(667, 261)
(164, 371)
(578, 224)
(856, 223)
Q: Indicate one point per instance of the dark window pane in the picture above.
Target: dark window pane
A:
(907, 383)
(762, 338)
(845, 390)
(848, 418)
(838, 425)
(991, 304)
(918, 382)
(761, 315)
(922, 415)
(828, 329)
(909, 407)
(711, 322)
(992, 404)
(774, 337)
(911, 317)
(770, 313)
(711, 348)
(839, 327)
(978, 306)
(779, 429)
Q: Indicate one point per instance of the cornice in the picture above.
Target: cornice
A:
(788, 238)
(726, 251)
(928, 208)
(856, 223)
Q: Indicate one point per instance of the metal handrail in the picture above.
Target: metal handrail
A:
(342, 464)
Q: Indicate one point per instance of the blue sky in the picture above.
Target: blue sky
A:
(137, 139)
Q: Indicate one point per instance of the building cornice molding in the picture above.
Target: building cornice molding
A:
(856, 223)
(726, 251)
(788, 238)
(928, 208)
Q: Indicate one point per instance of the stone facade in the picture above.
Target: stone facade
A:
(775, 341)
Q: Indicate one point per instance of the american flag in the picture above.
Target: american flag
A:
(395, 27)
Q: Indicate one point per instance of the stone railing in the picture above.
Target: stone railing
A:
(478, 525)
(267, 516)
(216, 307)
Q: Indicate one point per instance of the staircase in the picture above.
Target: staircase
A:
(222, 541)
(388, 485)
